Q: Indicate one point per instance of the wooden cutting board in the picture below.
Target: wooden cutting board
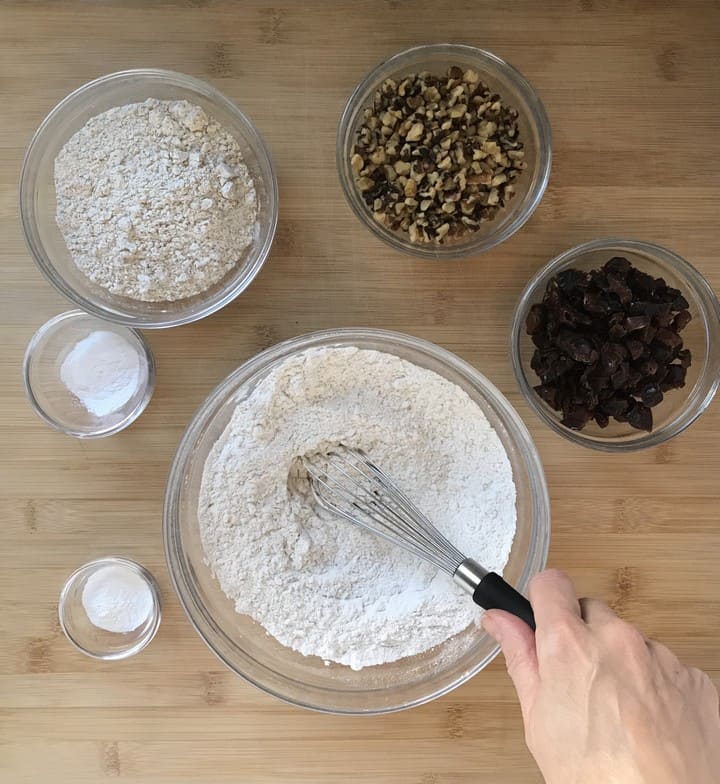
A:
(631, 90)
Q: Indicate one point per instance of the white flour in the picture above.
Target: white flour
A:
(154, 201)
(323, 586)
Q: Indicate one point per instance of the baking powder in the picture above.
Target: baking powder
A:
(116, 599)
(103, 371)
(323, 586)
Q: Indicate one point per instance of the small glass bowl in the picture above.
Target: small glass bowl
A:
(680, 407)
(38, 207)
(88, 638)
(53, 402)
(534, 128)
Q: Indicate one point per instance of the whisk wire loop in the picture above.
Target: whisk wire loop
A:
(349, 484)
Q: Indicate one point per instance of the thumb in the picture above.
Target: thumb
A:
(517, 641)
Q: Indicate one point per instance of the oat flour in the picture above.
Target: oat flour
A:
(320, 585)
(154, 201)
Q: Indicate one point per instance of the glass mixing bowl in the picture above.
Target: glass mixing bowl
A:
(37, 196)
(680, 407)
(243, 644)
(513, 88)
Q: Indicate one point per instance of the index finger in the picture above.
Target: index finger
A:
(553, 597)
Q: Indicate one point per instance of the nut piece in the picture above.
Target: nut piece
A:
(437, 156)
(415, 132)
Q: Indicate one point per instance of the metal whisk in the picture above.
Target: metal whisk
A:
(348, 484)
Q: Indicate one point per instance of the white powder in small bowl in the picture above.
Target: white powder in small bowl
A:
(103, 371)
(322, 586)
(116, 599)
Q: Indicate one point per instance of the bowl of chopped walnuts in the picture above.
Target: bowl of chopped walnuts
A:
(444, 151)
(616, 344)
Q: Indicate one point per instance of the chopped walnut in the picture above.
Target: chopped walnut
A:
(436, 156)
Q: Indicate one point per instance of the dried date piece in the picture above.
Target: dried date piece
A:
(437, 155)
(608, 344)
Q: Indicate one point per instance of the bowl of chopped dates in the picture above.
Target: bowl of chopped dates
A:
(444, 151)
(616, 344)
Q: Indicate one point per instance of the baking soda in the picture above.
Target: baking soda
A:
(116, 599)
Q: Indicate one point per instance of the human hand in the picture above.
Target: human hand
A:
(600, 703)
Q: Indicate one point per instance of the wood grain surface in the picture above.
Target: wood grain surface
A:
(631, 89)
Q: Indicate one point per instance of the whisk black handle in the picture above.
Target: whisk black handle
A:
(493, 593)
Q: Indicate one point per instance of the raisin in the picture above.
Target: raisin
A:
(616, 332)
(650, 394)
(648, 334)
(633, 323)
(641, 283)
(571, 281)
(668, 338)
(616, 405)
(594, 302)
(541, 340)
(602, 419)
(649, 367)
(675, 378)
(661, 352)
(611, 355)
(640, 417)
(620, 377)
(618, 266)
(619, 288)
(685, 358)
(681, 320)
(535, 320)
(635, 348)
(576, 347)
(577, 418)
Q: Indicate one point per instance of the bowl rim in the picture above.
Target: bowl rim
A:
(537, 117)
(708, 306)
(49, 326)
(539, 543)
(28, 177)
(138, 568)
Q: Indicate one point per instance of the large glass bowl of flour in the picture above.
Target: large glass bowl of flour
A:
(243, 644)
(39, 202)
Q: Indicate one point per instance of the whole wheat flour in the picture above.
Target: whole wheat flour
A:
(321, 585)
(154, 201)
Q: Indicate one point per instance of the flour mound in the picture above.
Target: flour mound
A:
(154, 200)
(322, 586)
